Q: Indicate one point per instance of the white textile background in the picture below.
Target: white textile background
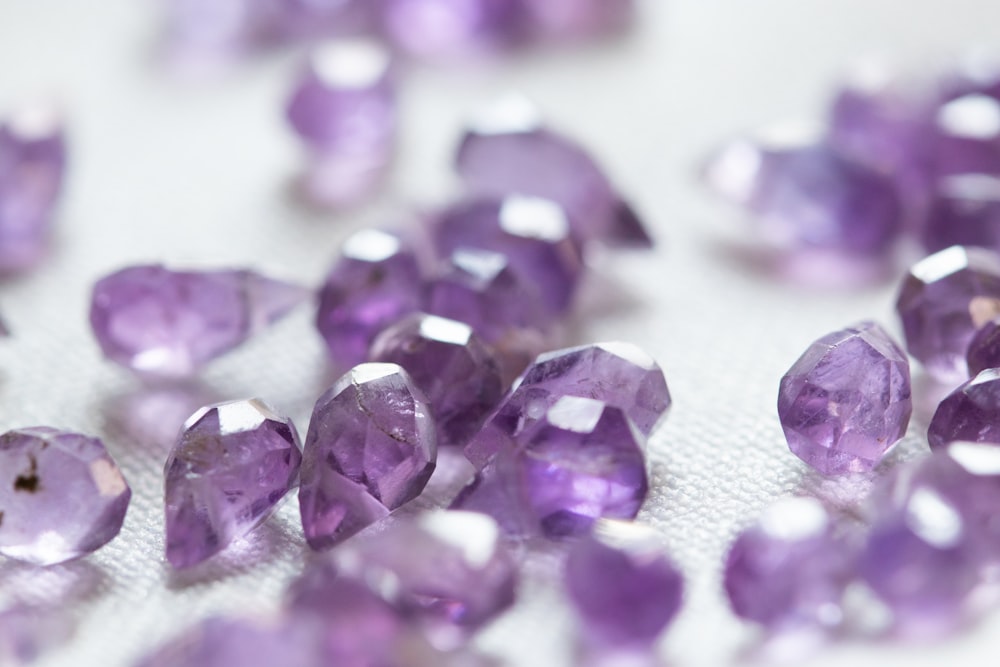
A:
(197, 173)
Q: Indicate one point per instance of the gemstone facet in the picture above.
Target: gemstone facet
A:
(984, 348)
(970, 413)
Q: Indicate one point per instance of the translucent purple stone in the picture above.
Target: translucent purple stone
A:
(231, 466)
(376, 281)
(27, 633)
(371, 447)
(578, 19)
(619, 374)
(171, 323)
(970, 413)
(846, 400)
(943, 300)
(984, 348)
(964, 210)
(623, 587)
(61, 495)
(967, 131)
(454, 369)
(32, 164)
(533, 233)
(789, 570)
(451, 28)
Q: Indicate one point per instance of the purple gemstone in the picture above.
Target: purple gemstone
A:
(231, 466)
(964, 210)
(509, 151)
(789, 571)
(846, 400)
(807, 195)
(28, 632)
(970, 413)
(171, 323)
(344, 108)
(61, 495)
(454, 369)
(299, 20)
(376, 281)
(624, 588)
(581, 461)
(967, 132)
(371, 447)
(533, 233)
(943, 301)
(619, 374)
(451, 28)
(579, 19)
(984, 348)
(32, 163)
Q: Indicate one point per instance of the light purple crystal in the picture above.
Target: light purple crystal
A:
(230, 467)
(623, 587)
(578, 19)
(454, 369)
(452, 28)
(376, 281)
(27, 632)
(789, 571)
(61, 495)
(967, 132)
(371, 447)
(171, 323)
(964, 210)
(943, 300)
(984, 348)
(619, 374)
(846, 400)
(970, 413)
(32, 164)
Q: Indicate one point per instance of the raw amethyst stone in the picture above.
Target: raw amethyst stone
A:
(964, 210)
(943, 301)
(171, 323)
(579, 19)
(624, 588)
(533, 233)
(619, 374)
(231, 466)
(376, 281)
(970, 413)
(454, 369)
(451, 28)
(984, 348)
(61, 495)
(32, 164)
(789, 570)
(846, 401)
(371, 447)
(582, 460)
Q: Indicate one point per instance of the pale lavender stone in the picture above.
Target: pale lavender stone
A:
(963, 210)
(26, 632)
(534, 234)
(943, 300)
(61, 495)
(846, 400)
(231, 466)
(619, 374)
(169, 323)
(970, 413)
(579, 19)
(376, 281)
(452, 28)
(454, 369)
(966, 133)
(32, 166)
(624, 588)
(371, 447)
(984, 348)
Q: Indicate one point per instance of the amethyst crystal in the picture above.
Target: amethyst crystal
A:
(61, 495)
(454, 369)
(846, 400)
(171, 323)
(943, 301)
(375, 282)
(619, 374)
(371, 447)
(231, 466)
(967, 132)
(624, 588)
(984, 348)
(789, 571)
(971, 412)
(442, 28)
(964, 210)
(578, 19)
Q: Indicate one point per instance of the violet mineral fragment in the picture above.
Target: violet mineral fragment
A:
(971, 412)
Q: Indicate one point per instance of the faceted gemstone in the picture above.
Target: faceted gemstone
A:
(964, 210)
(507, 150)
(32, 164)
(375, 282)
(533, 233)
(623, 587)
(454, 369)
(967, 134)
(230, 467)
(171, 323)
(61, 495)
(789, 571)
(582, 460)
(579, 19)
(371, 447)
(846, 401)
(971, 412)
(808, 195)
(984, 348)
(451, 28)
(344, 109)
(619, 374)
(943, 301)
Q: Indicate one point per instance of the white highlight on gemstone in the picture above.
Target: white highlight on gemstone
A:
(107, 478)
(35, 121)
(350, 63)
(971, 117)
(933, 519)
(371, 245)
(974, 188)
(940, 264)
(475, 534)
(239, 416)
(510, 114)
(483, 264)
(641, 542)
(533, 217)
(367, 372)
(445, 330)
(976, 458)
(48, 548)
(795, 519)
(629, 352)
(985, 376)
(575, 413)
